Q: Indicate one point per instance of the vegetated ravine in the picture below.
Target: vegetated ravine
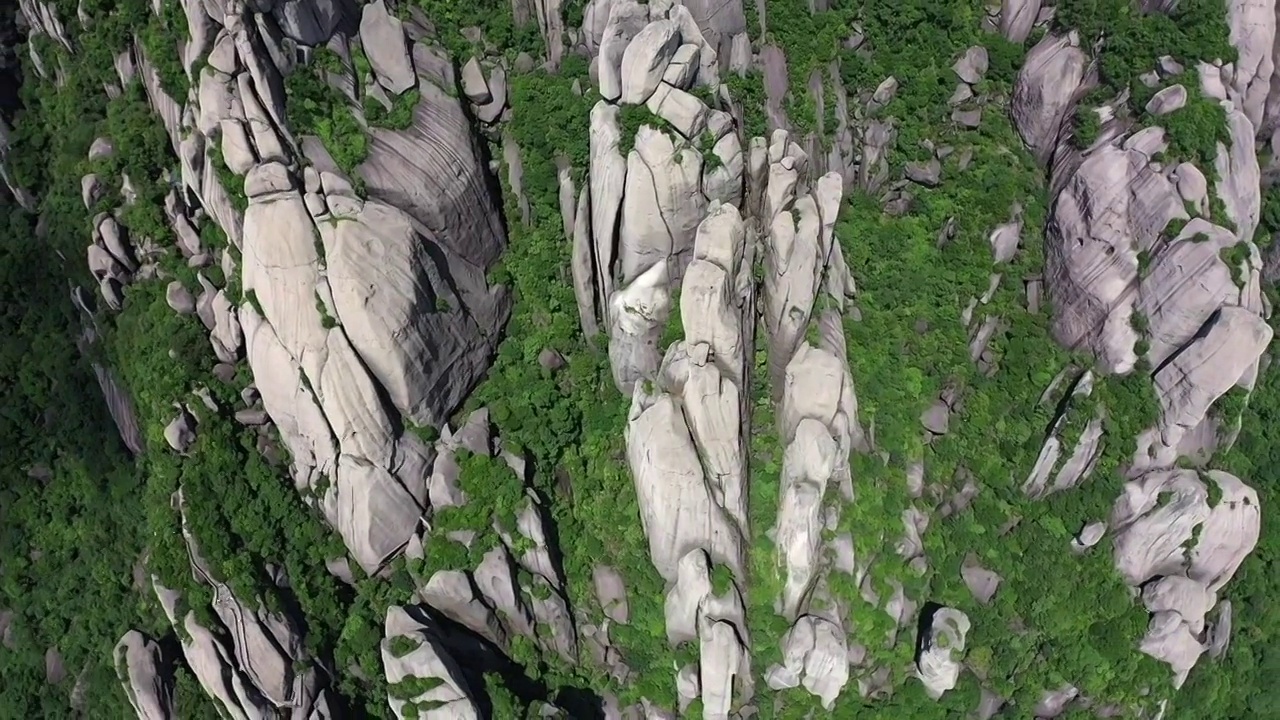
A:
(618, 359)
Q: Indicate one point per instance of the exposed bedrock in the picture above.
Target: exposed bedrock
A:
(941, 651)
(817, 411)
(680, 230)
(428, 664)
(364, 312)
(646, 205)
(1181, 535)
(686, 450)
(315, 385)
(1151, 268)
(517, 589)
(146, 676)
(250, 660)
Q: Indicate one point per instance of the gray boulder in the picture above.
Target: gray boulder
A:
(144, 675)
(382, 37)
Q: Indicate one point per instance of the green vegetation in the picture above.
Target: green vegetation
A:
(748, 93)
(414, 686)
(1194, 131)
(317, 108)
(71, 507)
(399, 117)
(570, 423)
(1133, 43)
(158, 37)
(1196, 30)
(494, 20)
(630, 118)
(326, 319)
(811, 41)
(87, 512)
(231, 182)
(706, 148)
(494, 495)
(79, 512)
(1236, 258)
(1087, 127)
(905, 283)
(1144, 262)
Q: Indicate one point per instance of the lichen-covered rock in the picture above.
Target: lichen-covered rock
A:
(637, 315)
(332, 427)
(431, 171)
(611, 591)
(1252, 33)
(1228, 346)
(624, 19)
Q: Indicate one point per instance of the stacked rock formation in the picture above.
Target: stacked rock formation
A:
(352, 298)
(635, 223)
(1153, 269)
(491, 600)
(818, 421)
(685, 449)
(249, 659)
(359, 300)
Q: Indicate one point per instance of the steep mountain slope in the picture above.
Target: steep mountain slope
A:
(638, 360)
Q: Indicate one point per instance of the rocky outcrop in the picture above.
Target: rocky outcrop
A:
(1153, 269)
(411, 651)
(1182, 545)
(692, 409)
(941, 651)
(366, 315)
(1059, 467)
(362, 310)
(645, 207)
(518, 588)
(686, 452)
(145, 676)
(818, 423)
(1044, 93)
(665, 222)
(250, 660)
(120, 406)
(1017, 17)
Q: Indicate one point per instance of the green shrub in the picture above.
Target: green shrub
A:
(317, 108)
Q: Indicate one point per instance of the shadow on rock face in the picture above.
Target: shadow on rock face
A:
(923, 622)
(481, 657)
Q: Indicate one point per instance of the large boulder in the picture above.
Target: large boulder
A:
(942, 650)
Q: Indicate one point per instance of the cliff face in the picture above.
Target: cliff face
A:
(647, 360)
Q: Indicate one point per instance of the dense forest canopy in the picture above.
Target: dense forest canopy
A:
(89, 525)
